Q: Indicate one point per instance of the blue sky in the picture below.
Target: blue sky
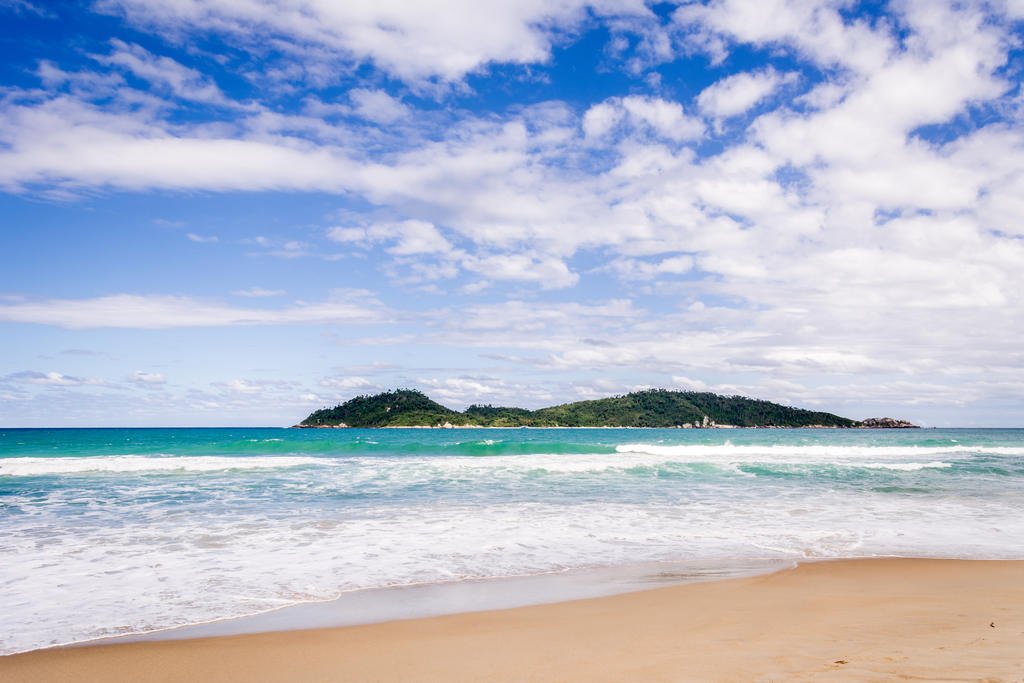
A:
(232, 212)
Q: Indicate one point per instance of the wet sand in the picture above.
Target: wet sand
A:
(858, 620)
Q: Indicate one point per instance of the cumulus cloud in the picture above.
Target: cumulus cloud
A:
(600, 119)
(378, 106)
(816, 29)
(413, 42)
(653, 115)
(736, 94)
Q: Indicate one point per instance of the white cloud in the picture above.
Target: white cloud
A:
(414, 238)
(359, 236)
(52, 379)
(159, 312)
(665, 117)
(201, 239)
(737, 93)
(26, 7)
(411, 41)
(378, 106)
(241, 386)
(690, 384)
(600, 119)
(538, 325)
(407, 238)
(659, 117)
(83, 82)
(148, 378)
(165, 74)
(822, 96)
(459, 392)
(259, 292)
(68, 142)
(815, 28)
(347, 383)
(1013, 8)
(637, 269)
(247, 389)
(548, 272)
(829, 360)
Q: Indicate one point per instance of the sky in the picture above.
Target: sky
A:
(234, 212)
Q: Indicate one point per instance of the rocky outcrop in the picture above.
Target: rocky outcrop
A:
(706, 423)
(886, 423)
(340, 425)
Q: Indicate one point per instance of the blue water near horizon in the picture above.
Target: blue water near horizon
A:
(111, 531)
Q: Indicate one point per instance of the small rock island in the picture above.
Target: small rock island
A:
(650, 408)
(886, 423)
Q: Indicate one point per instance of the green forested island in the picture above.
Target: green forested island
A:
(650, 408)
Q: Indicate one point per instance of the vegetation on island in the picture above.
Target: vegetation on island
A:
(650, 408)
(401, 408)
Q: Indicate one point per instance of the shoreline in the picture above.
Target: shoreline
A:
(870, 619)
(364, 606)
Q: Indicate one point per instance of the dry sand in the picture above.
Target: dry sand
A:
(863, 620)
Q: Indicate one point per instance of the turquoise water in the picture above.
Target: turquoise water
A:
(110, 531)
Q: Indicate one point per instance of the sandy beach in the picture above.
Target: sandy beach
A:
(858, 620)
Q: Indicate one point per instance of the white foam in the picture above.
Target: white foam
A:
(626, 456)
(725, 457)
(906, 466)
(24, 467)
(155, 569)
(785, 453)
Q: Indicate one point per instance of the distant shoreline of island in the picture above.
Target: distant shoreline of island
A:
(717, 426)
(651, 409)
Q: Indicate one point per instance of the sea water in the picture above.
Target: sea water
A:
(117, 531)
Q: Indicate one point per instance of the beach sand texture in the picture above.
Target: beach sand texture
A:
(854, 620)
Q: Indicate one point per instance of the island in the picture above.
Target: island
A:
(649, 408)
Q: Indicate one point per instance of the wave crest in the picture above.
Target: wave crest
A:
(784, 453)
(27, 467)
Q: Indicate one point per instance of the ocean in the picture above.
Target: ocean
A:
(119, 531)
